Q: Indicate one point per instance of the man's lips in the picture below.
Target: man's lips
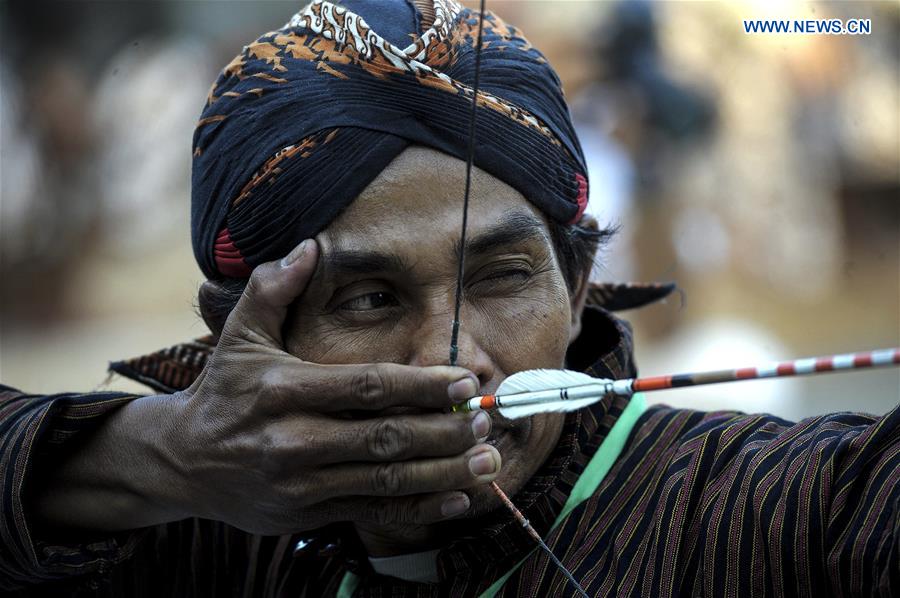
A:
(496, 437)
(500, 428)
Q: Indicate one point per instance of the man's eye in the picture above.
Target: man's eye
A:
(369, 301)
(509, 274)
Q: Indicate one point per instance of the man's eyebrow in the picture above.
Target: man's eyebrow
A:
(361, 262)
(512, 228)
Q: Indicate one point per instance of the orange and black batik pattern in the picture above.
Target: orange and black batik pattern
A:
(306, 116)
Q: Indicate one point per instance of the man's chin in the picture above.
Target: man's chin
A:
(515, 441)
(483, 500)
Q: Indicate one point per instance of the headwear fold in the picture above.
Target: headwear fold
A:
(307, 116)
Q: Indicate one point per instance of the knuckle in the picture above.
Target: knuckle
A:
(387, 479)
(272, 385)
(423, 383)
(386, 512)
(256, 285)
(304, 487)
(371, 386)
(389, 440)
(269, 461)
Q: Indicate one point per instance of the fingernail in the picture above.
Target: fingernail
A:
(457, 505)
(295, 254)
(462, 389)
(483, 464)
(481, 426)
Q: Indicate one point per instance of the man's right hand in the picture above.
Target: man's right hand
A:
(260, 444)
(258, 441)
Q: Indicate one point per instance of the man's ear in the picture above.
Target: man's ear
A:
(579, 294)
(211, 303)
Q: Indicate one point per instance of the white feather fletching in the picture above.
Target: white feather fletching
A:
(545, 379)
(551, 407)
(531, 380)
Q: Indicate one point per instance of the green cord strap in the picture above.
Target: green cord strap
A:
(584, 488)
(591, 478)
(348, 585)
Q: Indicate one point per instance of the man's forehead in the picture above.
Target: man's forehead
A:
(419, 161)
(418, 199)
(512, 227)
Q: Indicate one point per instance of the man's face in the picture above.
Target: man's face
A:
(385, 284)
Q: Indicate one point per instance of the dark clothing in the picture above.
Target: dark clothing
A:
(700, 504)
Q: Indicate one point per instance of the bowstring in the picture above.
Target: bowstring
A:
(470, 158)
(454, 334)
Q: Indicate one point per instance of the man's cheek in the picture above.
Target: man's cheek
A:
(528, 335)
(323, 340)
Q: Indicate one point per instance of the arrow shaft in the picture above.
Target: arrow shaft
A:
(629, 386)
(797, 367)
(488, 402)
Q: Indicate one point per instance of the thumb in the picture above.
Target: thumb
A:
(273, 286)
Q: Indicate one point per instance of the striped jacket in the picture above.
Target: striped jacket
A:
(698, 504)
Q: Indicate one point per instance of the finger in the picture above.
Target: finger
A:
(332, 388)
(383, 439)
(424, 509)
(400, 438)
(478, 465)
(273, 286)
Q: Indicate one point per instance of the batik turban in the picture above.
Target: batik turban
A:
(307, 116)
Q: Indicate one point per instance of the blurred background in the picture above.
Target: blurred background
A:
(760, 172)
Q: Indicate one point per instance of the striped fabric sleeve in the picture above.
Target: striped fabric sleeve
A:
(726, 504)
(812, 509)
(34, 430)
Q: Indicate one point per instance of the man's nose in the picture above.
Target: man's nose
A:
(431, 346)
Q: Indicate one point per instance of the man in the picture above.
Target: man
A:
(312, 453)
